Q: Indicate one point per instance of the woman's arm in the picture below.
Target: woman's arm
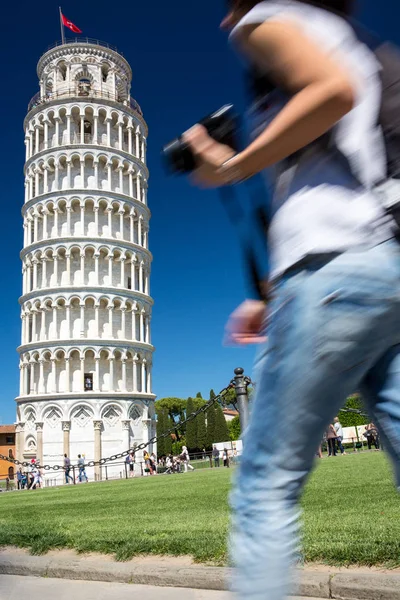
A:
(322, 94)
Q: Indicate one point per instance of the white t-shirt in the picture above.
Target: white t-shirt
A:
(319, 206)
(338, 429)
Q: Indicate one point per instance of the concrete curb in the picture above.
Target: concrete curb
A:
(334, 585)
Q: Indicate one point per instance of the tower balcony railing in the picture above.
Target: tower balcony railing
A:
(84, 40)
(39, 100)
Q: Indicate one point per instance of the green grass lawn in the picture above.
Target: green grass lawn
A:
(351, 515)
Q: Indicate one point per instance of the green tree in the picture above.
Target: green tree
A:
(221, 433)
(176, 410)
(201, 431)
(177, 446)
(210, 416)
(212, 394)
(198, 402)
(191, 433)
(198, 395)
(234, 428)
(349, 419)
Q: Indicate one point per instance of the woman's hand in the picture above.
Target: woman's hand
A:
(245, 324)
(210, 156)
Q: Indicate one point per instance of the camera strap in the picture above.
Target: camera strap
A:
(237, 216)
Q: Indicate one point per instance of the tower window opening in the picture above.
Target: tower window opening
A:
(63, 71)
(104, 72)
(88, 382)
(129, 283)
(87, 131)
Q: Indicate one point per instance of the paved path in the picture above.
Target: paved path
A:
(14, 587)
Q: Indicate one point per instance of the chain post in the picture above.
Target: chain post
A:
(240, 383)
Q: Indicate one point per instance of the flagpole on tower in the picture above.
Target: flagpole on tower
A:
(62, 27)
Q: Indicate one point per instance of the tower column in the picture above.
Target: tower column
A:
(96, 175)
(126, 426)
(19, 441)
(82, 373)
(53, 376)
(68, 267)
(96, 221)
(95, 129)
(43, 325)
(41, 376)
(108, 123)
(123, 323)
(68, 320)
(134, 373)
(98, 425)
(68, 129)
(124, 375)
(96, 319)
(67, 375)
(45, 180)
(143, 390)
(123, 259)
(97, 386)
(21, 380)
(111, 361)
(66, 427)
(46, 134)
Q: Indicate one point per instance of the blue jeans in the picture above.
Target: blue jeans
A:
(334, 328)
(82, 474)
(339, 442)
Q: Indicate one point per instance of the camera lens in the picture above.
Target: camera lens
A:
(179, 157)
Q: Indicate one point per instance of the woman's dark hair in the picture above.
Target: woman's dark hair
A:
(339, 6)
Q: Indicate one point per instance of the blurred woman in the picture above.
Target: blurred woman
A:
(333, 290)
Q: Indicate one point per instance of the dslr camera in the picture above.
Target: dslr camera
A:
(222, 126)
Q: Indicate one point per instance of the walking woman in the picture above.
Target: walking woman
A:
(186, 459)
(333, 307)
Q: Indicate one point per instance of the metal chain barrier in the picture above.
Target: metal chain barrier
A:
(113, 457)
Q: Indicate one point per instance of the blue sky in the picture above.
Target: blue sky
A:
(182, 70)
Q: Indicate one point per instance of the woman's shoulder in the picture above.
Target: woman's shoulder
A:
(323, 22)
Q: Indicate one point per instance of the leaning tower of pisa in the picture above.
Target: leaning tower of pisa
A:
(86, 352)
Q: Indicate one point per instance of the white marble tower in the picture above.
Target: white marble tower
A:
(86, 353)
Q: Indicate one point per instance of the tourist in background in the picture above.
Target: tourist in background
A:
(186, 460)
(67, 469)
(331, 439)
(20, 477)
(215, 454)
(153, 462)
(147, 464)
(37, 478)
(132, 464)
(82, 469)
(225, 457)
(339, 435)
(371, 434)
